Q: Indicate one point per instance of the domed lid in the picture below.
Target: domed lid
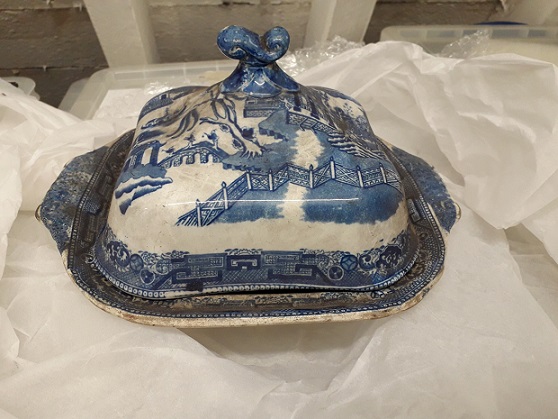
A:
(255, 186)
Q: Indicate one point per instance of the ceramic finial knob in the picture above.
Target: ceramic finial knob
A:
(257, 72)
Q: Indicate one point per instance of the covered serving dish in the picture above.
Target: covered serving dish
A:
(253, 201)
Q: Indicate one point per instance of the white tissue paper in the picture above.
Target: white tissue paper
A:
(482, 343)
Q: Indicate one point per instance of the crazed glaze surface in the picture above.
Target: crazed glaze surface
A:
(254, 184)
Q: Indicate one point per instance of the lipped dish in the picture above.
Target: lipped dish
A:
(253, 201)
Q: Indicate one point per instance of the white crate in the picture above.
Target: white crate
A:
(83, 99)
(434, 38)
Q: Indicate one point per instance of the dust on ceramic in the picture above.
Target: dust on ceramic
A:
(253, 201)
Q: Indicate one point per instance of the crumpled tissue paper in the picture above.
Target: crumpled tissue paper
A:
(481, 344)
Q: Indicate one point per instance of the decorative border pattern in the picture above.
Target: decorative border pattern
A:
(178, 273)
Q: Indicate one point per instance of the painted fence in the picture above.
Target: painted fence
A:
(207, 211)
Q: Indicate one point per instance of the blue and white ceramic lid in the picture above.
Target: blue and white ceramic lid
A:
(256, 200)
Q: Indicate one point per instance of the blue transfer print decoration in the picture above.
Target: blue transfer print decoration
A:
(210, 131)
(139, 178)
(250, 129)
(431, 185)
(257, 73)
(75, 211)
(160, 275)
